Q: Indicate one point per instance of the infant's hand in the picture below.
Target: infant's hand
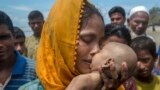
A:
(124, 72)
(109, 70)
(110, 76)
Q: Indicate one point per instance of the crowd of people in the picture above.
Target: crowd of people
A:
(75, 50)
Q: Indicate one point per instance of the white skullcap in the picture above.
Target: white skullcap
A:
(137, 9)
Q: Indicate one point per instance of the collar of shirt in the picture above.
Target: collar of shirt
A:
(19, 66)
(133, 35)
(5, 84)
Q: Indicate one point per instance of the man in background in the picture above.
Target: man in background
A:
(15, 69)
(36, 21)
(19, 41)
(117, 15)
(138, 21)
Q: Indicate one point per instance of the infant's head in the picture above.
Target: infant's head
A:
(119, 53)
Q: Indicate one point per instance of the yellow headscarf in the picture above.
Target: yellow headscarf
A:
(57, 49)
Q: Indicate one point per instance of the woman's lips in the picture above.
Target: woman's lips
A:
(88, 61)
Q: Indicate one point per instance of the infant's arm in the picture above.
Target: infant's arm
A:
(85, 82)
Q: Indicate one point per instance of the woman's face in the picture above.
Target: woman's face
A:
(89, 43)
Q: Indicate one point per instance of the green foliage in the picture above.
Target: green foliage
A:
(154, 15)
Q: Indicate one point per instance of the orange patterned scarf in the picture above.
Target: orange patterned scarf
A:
(57, 49)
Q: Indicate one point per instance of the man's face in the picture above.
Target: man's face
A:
(117, 18)
(146, 63)
(6, 43)
(36, 25)
(139, 22)
(20, 45)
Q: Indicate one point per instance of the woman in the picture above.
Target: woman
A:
(70, 38)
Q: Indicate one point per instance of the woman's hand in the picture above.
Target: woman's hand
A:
(111, 77)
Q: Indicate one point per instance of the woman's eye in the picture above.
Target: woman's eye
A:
(87, 39)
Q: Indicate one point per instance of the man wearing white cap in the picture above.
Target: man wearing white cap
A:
(138, 21)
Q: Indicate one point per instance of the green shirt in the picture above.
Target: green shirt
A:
(154, 85)
(33, 85)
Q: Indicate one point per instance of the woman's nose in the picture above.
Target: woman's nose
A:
(95, 49)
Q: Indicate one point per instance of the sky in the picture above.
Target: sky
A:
(18, 10)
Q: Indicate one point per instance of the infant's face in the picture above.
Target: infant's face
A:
(98, 60)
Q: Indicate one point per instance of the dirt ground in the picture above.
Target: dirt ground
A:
(155, 34)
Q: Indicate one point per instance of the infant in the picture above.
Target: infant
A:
(112, 53)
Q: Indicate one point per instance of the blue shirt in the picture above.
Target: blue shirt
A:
(156, 70)
(23, 72)
(158, 52)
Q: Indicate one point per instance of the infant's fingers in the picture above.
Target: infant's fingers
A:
(108, 60)
(106, 71)
(113, 71)
(124, 71)
(124, 67)
(107, 67)
(103, 76)
(110, 70)
(112, 66)
(108, 82)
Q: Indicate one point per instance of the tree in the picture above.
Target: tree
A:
(154, 16)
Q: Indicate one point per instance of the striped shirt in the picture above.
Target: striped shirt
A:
(23, 72)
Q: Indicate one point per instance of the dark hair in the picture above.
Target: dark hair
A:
(118, 30)
(18, 33)
(5, 19)
(89, 10)
(117, 9)
(34, 14)
(144, 43)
